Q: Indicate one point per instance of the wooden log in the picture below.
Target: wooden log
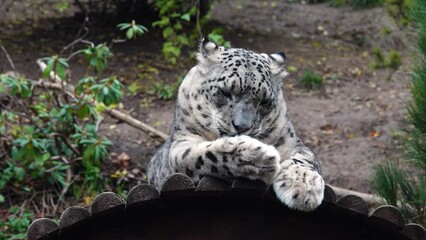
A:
(73, 215)
(414, 231)
(106, 201)
(177, 185)
(235, 215)
(353, 203)
(212, 186)
(390, 214)
(247, 187)
(142, 193)
(107, 210)
(142, 200)
(329, 195)
(43, 228)
(74, 223)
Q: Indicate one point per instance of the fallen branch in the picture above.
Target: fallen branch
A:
(12, 65)
(136, 123)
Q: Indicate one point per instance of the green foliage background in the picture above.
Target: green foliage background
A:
(408, 189)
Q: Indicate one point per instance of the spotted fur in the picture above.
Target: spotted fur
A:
(231, 121)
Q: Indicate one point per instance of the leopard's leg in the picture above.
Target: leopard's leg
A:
(299, 183)
(227, 157)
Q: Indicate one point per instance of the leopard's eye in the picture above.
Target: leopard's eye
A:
(266, 102)
(222, 97)
(225, 93)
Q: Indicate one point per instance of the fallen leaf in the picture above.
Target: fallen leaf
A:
(291, 68)
(374, 133)
(87, 200)
(124, 159)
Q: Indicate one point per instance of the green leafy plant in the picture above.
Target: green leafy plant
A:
(59, 64)
(97, 56)
(311, 80)
(132, 29)
(62, 6)
(52, 121)
(173, 16)
(216, 35)
(15, 224)
(337, 3)
(181, 23)
(49, 133)
(399, 10)
(392, 60)
(163, 90)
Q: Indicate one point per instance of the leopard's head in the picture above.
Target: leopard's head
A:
(235, 91)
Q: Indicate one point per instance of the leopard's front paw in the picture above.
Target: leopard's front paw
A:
(299, 187)
(256, 160)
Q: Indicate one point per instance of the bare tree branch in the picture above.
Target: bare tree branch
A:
(12, 65)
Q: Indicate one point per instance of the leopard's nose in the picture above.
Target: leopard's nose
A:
(243, 115)
(241, 126)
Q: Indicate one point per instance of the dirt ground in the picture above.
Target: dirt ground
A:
(352, 123)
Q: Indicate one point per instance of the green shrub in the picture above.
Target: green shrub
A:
(163, 90)
(311, 80)
(14, 223)
(399, 10)
(408, 190)
(181, 23)
(392, 60)
(366, 3)
(337, 3)
(49, 133)
(172, 15)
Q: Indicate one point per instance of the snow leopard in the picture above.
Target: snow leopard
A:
(231, 121)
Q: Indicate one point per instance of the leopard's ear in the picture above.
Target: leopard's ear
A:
(209, 51)
(207, 47)
(208, 55)
(278, 63)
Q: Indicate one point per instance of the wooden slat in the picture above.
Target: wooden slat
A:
(353, 203)
(106, 201)
(329, 195)
(141, 193)
(72, 215)
(150, 215)
(211, 186)
(43, 228)
(414, 231)
(247, 187)
(389, 213)
(177, 185)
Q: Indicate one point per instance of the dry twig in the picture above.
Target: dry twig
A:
(12, 65)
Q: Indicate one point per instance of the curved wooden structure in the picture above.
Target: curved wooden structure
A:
(217, 209)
